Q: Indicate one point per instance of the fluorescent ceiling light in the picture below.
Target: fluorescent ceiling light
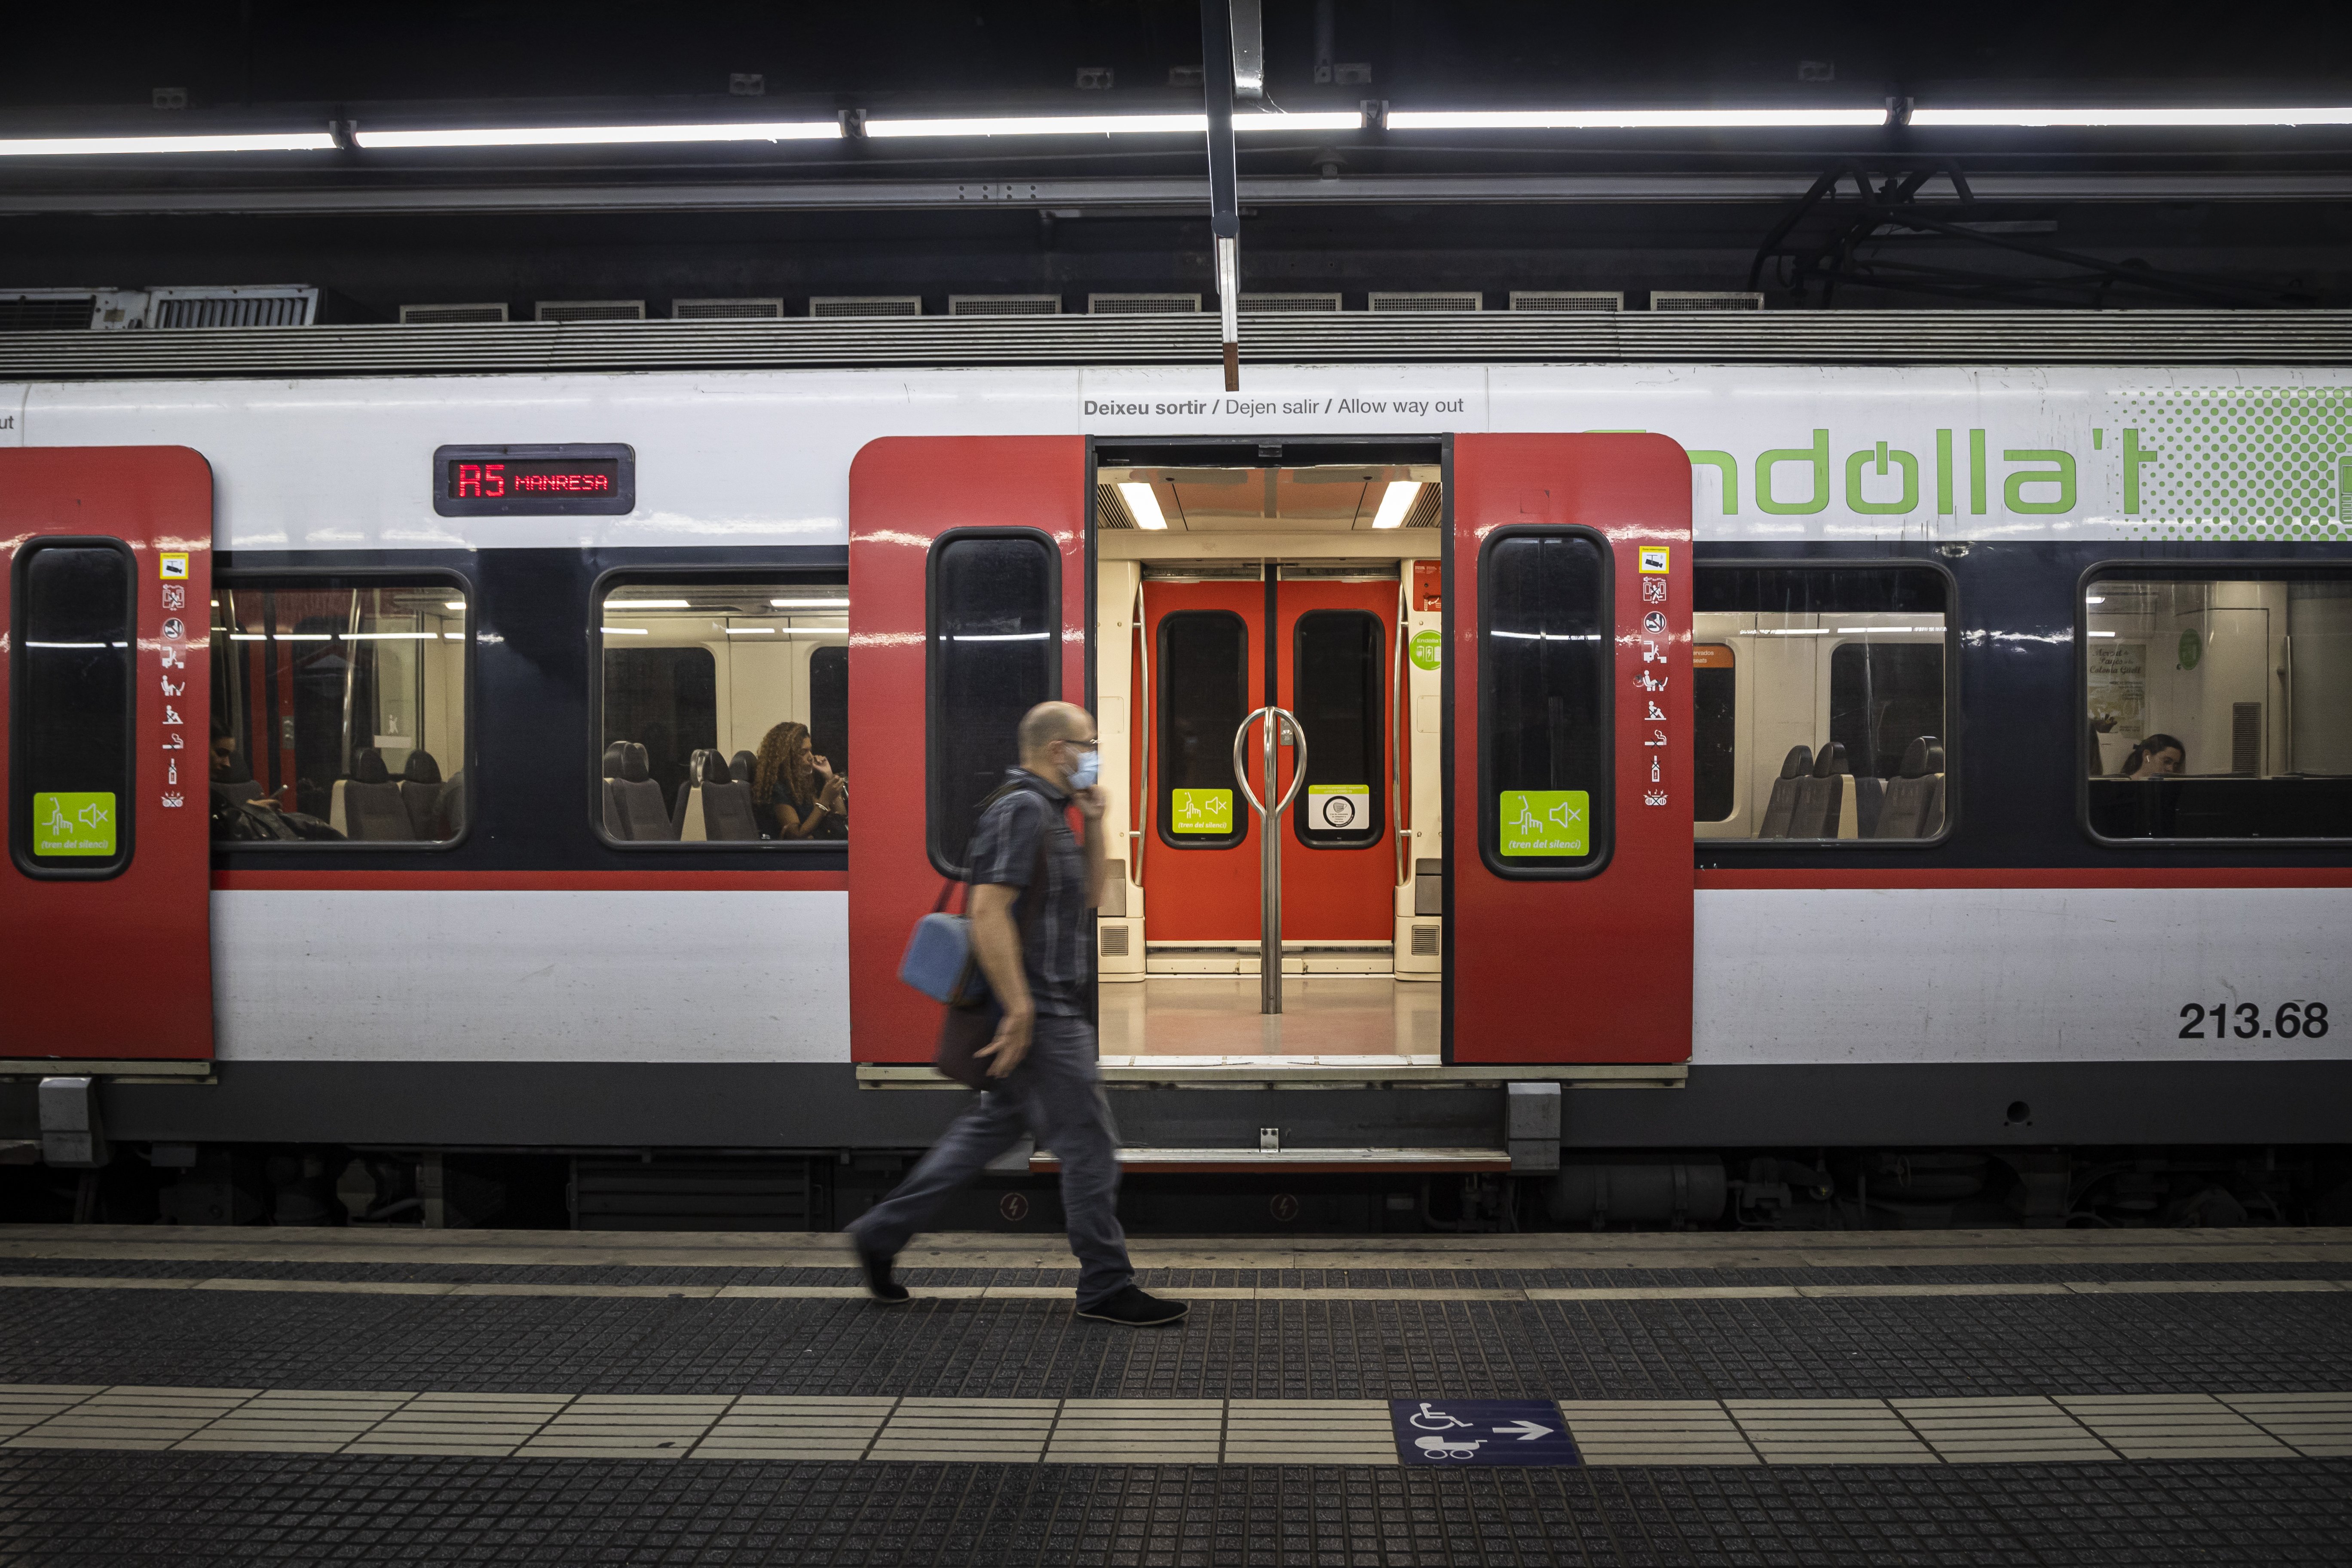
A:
(79, 146)
(648, 604)
(810, 604)
(750, 631)
(387, 636)
(454, 605)
(816, 631)
(626, 632)
(2177, 117)
(1112, 124)
(1396, 502)
(999, 636)
(1143, 502)
(602, 136)
(1548, 636)
(303, 637)
(1865, 631)
(2093, 599)
(2103, 633)
(1627, 118)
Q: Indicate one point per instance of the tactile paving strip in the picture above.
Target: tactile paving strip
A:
(1657, 1433)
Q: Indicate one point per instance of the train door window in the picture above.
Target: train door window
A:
(995, 601)
(70, 755)
(1336, 692)
(1203, 674)
(1824, 699)
(2217, 705)
(723, 711)
(1544, 659)
(339, 710)
(1715, 702)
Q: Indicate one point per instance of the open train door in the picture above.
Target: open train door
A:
(1568, 831)
(106, 574)
(967, 608)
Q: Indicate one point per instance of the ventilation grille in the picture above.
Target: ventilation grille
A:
(591, 310)
(1005, 304)
(1143, 304)
(1287, 304)
(867, 305)
(231, 311)
(451, 315)
(692, 1194)
(46, 313)
(1424, 942)
(1203, 572)
(1469, 301)
(1426, 507)
(1704, 300)
(2246, 738)
(1114, 942)
(1560, 299)
(726, 310)
(1338, 571)
(1111, 507)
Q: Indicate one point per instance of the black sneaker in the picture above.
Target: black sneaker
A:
(1136, 1310)
(878, 1283)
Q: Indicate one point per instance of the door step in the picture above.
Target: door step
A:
(1371, 960)
(1301, 1161)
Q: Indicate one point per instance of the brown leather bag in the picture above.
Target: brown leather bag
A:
(967, 1029)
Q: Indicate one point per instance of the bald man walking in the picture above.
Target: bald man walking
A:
(1031, 884)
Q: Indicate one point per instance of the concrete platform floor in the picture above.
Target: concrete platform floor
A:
(207, 1396)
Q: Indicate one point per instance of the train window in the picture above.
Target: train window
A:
(2217, 705)
(993, 653)
(70, 769)
(1336, 691)
(339, 710)
(1823, 703)
(1203, 672)
(724, 712)
(1544, 657)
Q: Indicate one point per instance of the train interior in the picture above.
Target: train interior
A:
(1313, 589)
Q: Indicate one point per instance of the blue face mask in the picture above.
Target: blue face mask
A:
(1089, 769)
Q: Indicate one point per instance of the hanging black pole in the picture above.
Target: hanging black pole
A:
(1224, 204)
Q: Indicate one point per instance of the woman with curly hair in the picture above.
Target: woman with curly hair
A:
(796, 789)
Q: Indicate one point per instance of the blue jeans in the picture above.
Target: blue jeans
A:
(1057, 1095)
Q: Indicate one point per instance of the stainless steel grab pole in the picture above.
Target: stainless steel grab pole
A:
(1269, 891)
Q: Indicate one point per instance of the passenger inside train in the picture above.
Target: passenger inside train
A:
(794, 790)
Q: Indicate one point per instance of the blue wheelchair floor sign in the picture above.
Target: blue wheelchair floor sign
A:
(1481, 1432)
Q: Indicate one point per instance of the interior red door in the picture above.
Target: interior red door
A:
(1569, 825)
(1338, 856)
(967, 605)
(105, 584)
(1208, 664)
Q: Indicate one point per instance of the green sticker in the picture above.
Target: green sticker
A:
(2192, 649)
(1200, 811)
(73, 822)
(1427, 649)
(1547, 821)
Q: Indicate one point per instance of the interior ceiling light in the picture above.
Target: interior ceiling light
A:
(2174, 117)
(1113, 124)
(810, 604)
(1395, 502)
(602, 136)
(625, 604)
(75, 146)
(1143, 502)
(1627, 118)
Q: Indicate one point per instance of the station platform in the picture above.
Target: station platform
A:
(189, 1396)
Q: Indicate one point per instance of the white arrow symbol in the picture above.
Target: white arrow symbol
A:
(1525, 1431)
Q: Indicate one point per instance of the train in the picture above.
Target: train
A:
(1853, 770)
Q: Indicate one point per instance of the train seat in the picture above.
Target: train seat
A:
(366, 807)
(614, 826)
(711, 806)
(1914, 800)
(636, 799)
(452, 807)
(422, 791)
(1794, 767)
(1820, 795)
(743, 765)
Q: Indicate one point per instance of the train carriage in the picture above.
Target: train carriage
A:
(1520, 752)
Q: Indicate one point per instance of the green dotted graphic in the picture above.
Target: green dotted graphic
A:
(2236, 462)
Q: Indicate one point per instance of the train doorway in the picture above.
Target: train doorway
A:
(1256, 693)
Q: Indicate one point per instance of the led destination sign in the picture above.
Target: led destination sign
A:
(534, 481)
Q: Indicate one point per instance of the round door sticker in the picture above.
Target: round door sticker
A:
(1339, 808)
(1427, 649)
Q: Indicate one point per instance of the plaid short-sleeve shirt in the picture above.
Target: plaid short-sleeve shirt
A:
(1004, 853)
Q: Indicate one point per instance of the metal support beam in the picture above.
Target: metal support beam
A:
(1225, 203)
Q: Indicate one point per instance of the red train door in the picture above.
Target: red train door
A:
(966, 606)
(105, 588)
(1221, 649)
(1569, 828)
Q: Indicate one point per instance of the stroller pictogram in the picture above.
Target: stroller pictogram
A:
(1450, 1447)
